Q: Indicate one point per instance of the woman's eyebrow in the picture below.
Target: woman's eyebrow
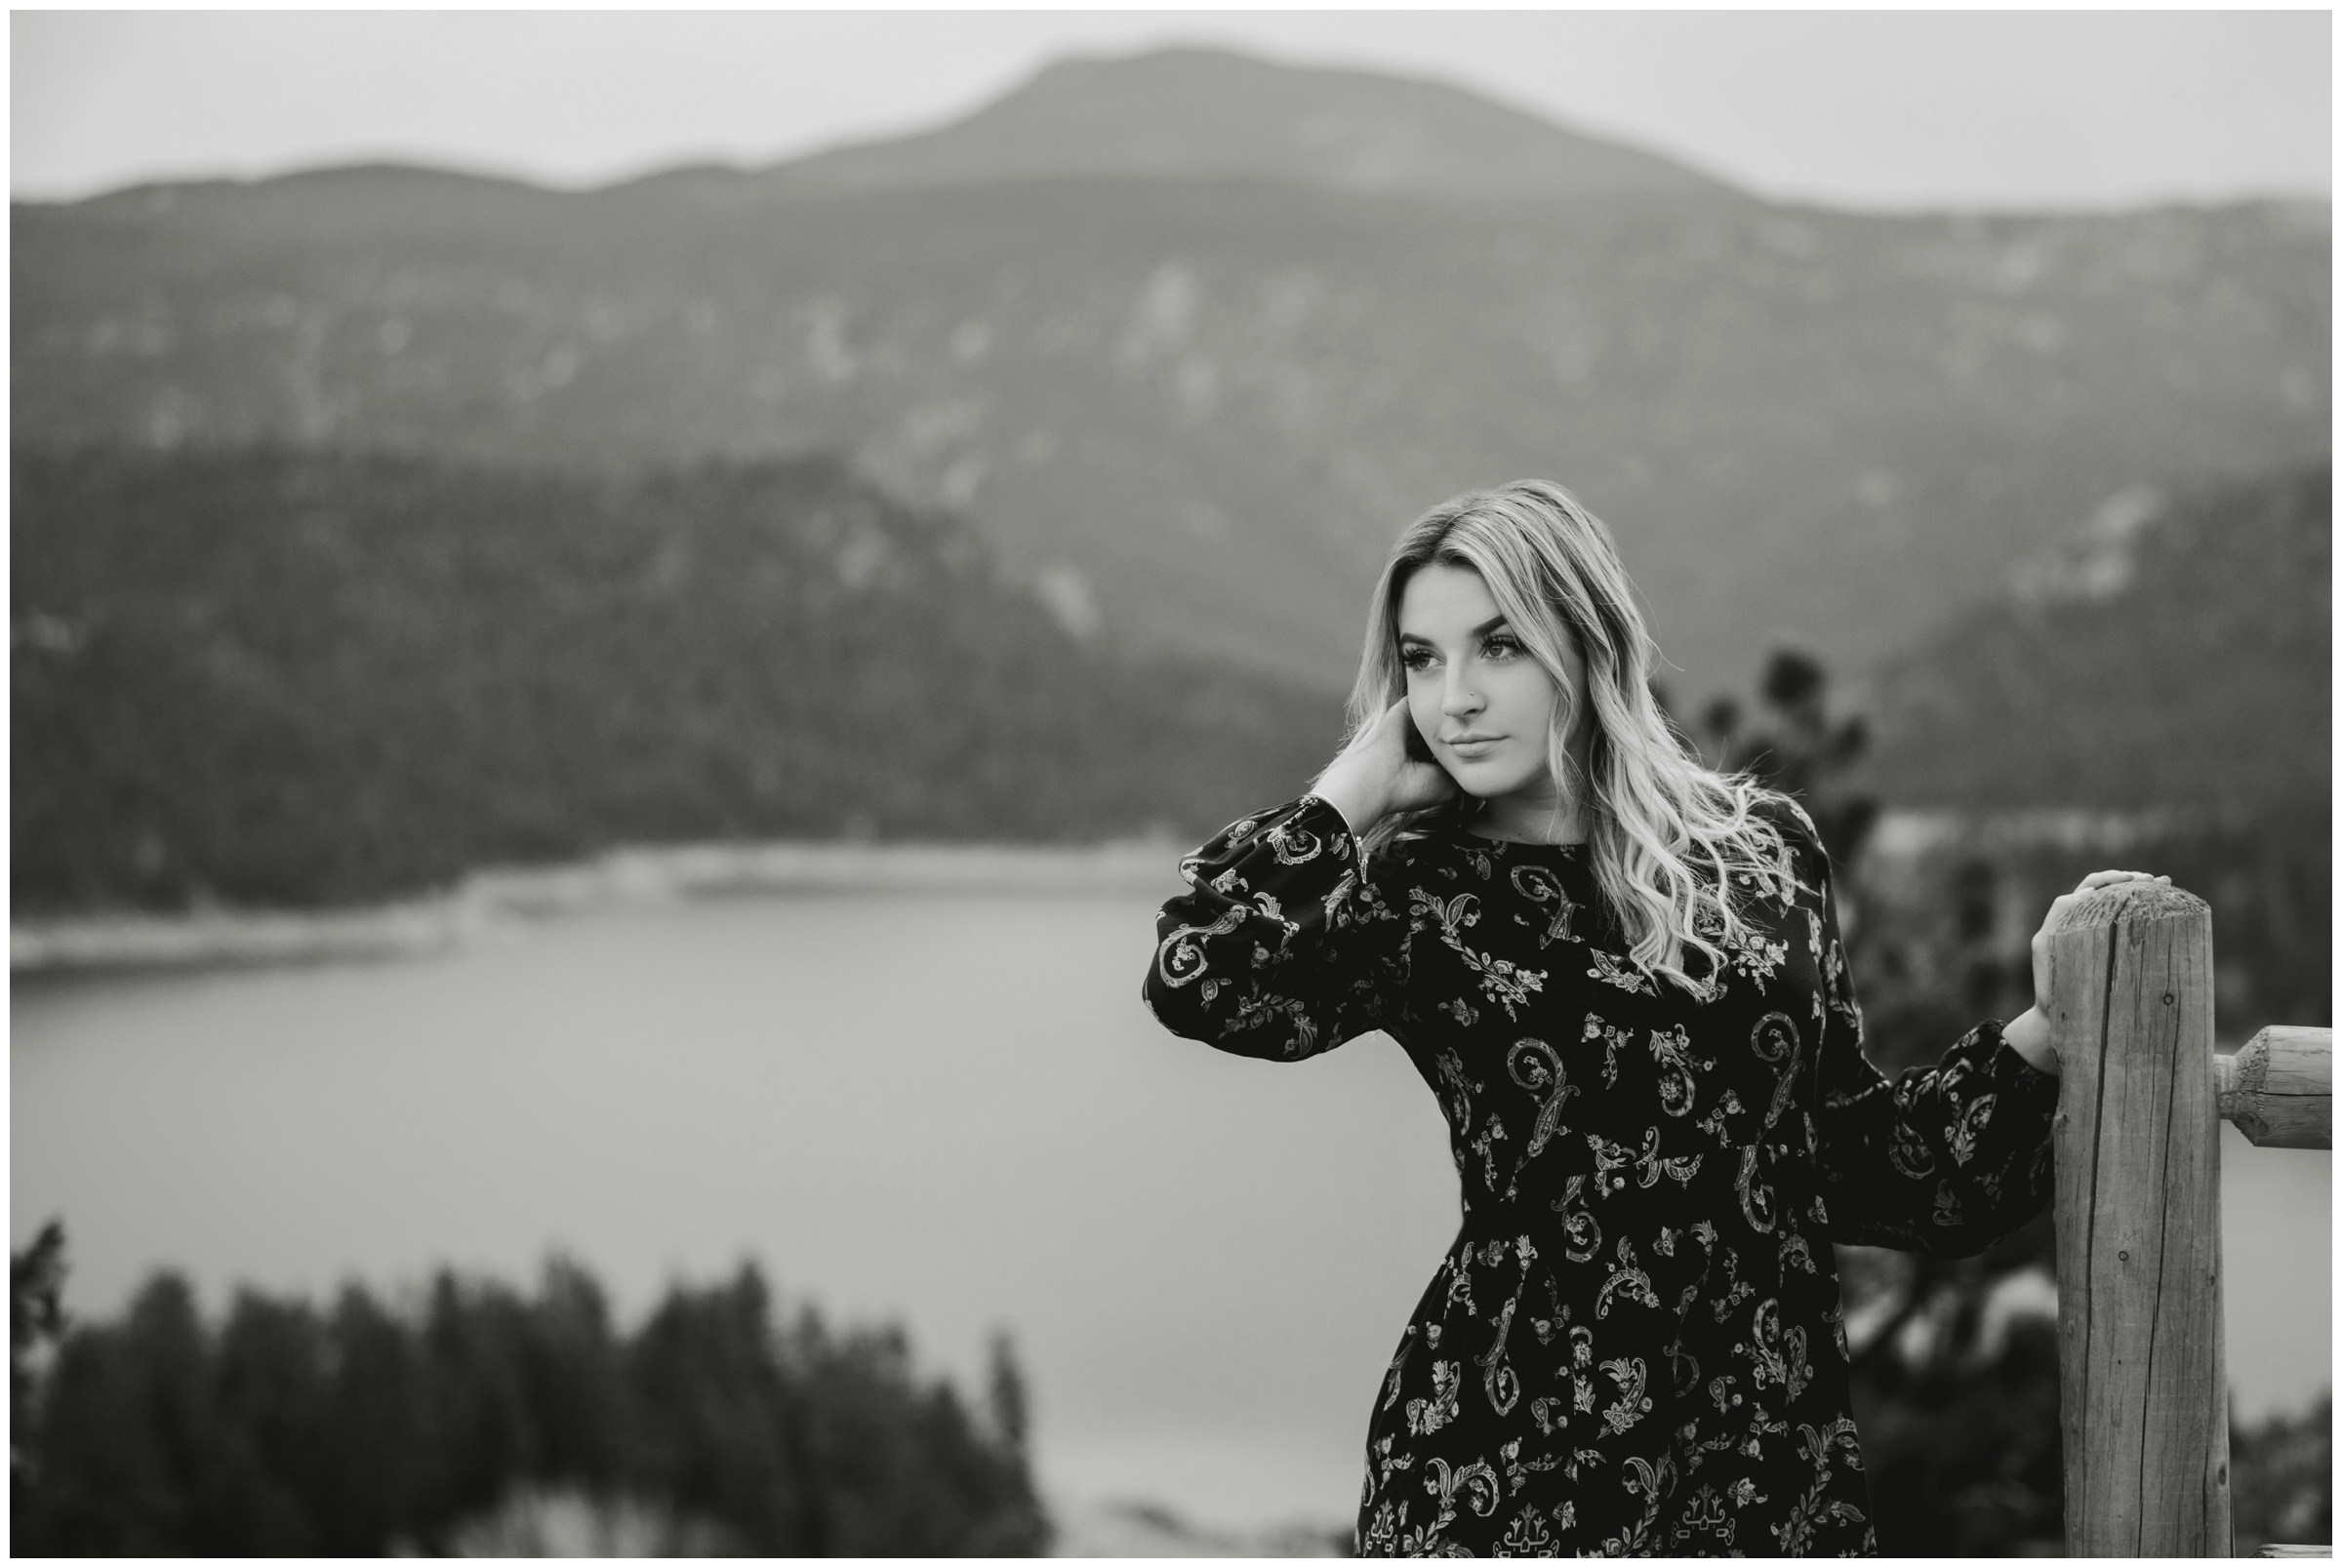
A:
(1481, 630)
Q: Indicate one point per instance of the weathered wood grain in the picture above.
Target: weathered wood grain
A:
(2141, 1370)
(2279, 1089)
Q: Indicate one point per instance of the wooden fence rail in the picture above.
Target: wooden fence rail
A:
(2143, 1393)
(2279, 1088)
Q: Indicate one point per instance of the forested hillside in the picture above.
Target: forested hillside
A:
(2175, 650)
(277, 677)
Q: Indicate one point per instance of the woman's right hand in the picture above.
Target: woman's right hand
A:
(1375, 777)
(2028, 1034)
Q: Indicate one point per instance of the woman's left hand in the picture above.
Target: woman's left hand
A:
(2029, 1034)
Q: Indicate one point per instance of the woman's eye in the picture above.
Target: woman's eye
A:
(1500, 646)
(1416, 659)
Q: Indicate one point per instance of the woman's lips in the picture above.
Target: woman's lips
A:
(1472, 743)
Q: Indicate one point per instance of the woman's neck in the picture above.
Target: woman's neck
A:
(1548, 819)
(1541, 812)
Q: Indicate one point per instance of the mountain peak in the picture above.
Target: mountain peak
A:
(1199, 112)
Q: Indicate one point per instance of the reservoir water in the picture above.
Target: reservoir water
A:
(949, 1109)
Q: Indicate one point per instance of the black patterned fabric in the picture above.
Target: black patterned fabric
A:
(1634, 1346)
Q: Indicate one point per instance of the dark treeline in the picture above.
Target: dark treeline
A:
(365, 1428)
(263, 676)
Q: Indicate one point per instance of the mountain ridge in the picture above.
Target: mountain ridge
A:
(1136, 115)
(1216, 113)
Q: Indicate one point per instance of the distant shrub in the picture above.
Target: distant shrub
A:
(2283, 1487)
(1957, 1402)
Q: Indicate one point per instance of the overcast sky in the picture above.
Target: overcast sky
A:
(1858, 108)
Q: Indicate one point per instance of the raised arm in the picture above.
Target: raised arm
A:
(1271, 951)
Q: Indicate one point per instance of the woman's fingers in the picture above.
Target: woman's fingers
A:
(2090, 884)
(2057, 907)
(2100, 879)
(1374, 775)
(1372, 735)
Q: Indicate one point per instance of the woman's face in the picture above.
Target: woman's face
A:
(1477, 695)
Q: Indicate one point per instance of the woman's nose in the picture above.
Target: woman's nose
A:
(1457, 698)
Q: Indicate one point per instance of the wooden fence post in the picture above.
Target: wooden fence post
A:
(2143, 1392)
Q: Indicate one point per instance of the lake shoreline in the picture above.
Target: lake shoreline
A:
(493, 898)
(499, 898)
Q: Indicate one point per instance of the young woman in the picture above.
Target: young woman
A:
(1620, 974)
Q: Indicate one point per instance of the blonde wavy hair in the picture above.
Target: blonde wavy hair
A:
(1674, 846)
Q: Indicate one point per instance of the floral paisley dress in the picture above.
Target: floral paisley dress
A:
(1634, 1344)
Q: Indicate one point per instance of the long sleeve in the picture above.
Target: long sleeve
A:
(1273, 951)
(1945, 1159)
